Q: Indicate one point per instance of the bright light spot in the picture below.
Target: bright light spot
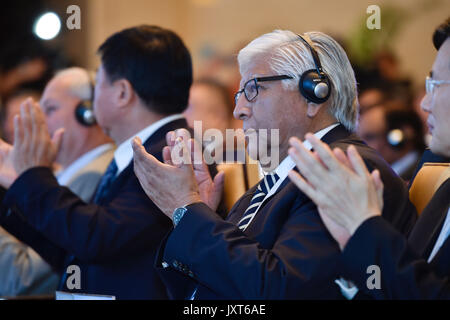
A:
(47, 26)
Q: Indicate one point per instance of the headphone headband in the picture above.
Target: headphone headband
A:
(314, 84)
(314, 54)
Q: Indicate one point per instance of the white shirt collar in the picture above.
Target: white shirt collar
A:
(124, 153)
(67, 174)
(288, 164)
(401, 165)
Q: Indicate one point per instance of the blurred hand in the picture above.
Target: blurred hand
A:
(33, 146)
(345, 193)
(7, 172)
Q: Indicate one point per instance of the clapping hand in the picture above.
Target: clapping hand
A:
(345, 193)
(33, 146)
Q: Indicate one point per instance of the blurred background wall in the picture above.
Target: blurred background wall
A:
(215, 29)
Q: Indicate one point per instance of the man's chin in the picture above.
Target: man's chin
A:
(440, 149)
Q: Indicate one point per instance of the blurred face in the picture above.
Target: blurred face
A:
(437, 103)
(372, 129)
(59, 106)
(206, 104)
(273, 108)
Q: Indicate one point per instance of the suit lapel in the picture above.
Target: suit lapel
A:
(339, 133)
(154, 145)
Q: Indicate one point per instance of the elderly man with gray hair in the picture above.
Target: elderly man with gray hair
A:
(273, 244)
(84, 154)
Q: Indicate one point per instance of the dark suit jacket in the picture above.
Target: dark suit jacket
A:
(114, 242)
(285, 253)
(405, 273)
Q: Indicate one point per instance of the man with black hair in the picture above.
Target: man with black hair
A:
(141, 90)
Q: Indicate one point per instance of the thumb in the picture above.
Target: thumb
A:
(57, 138)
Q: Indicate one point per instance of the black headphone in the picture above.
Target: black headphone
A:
(314, 84)
(84, 112)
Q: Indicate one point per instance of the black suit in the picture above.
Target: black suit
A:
(405, 273)
(114, 243)
(285, 253)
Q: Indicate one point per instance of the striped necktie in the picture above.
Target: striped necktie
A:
(260, 193)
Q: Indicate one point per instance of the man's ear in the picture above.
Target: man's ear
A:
(124, 92)
(312, 109)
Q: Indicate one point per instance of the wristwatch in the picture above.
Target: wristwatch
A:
(178, 214)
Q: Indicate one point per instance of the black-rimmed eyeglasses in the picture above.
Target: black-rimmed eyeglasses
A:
(250, 89)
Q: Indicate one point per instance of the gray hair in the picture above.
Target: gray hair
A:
(81, 82)
(290, 56)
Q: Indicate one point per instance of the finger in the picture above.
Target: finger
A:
(25, 121)
(184, 133)
(181, 155)
(357, 162)
(170, 138)
(340, 155)
(18, 132)
(166, 155)
(379, 186)
(309, 167)
(219, 181)
(39, 132)
(34, 128)
(300, 151)
(303, 185)
(324, 152)
(57, 139)
(197, 155)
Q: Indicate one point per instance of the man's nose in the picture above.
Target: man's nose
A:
(426, 103)
(242, 111)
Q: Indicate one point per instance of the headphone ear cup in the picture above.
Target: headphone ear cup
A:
(85, 115)
(314, 87)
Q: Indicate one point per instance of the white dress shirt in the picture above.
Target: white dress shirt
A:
(66, 175)
(124, 153)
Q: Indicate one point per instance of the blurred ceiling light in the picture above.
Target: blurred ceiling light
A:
(47, 26)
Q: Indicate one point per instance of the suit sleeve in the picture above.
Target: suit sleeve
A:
(92, 233)
(222, 258)
(23, 271)
(404, 275)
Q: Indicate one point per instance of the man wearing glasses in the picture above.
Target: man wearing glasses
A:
(272, 245)
(413, 268)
